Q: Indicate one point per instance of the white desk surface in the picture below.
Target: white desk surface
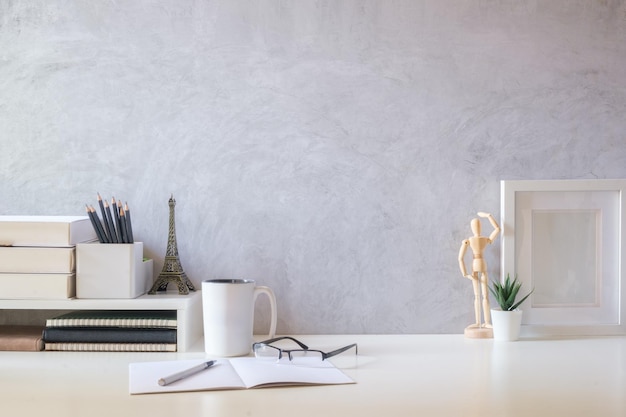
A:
(398, 375)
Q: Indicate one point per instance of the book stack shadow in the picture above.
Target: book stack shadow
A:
(112, 331)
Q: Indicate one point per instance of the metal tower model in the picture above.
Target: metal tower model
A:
(172, 269)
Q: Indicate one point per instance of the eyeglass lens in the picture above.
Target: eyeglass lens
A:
(295, 356)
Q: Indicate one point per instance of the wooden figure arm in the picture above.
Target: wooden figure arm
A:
(464, 246)
(496, 227)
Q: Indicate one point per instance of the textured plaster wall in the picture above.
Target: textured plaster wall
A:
(333, 150)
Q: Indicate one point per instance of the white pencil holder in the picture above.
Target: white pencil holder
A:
(112, 270)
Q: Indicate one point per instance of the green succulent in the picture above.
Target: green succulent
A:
(506, 292)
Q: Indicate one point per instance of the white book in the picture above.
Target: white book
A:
(234, 373)
(45, 230)
(35, 259)
(37, 286)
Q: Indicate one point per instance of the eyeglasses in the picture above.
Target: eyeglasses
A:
(264, 350)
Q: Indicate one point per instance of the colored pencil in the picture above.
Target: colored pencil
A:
(95, 222)
(129, 227)
(123, 226)
(107, 232)
(116, 215)
(110, 224)
(116, 225)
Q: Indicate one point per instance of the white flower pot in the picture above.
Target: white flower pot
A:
(506, 324)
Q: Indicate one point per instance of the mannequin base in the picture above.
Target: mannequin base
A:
(475, 332)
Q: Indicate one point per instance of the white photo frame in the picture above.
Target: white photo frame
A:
(566, 239)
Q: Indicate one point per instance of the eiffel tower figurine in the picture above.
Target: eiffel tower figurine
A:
(172, 269)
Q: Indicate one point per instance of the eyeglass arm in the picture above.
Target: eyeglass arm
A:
(338, 351)
(276, 339)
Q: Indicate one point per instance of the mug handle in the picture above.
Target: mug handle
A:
(270, 294)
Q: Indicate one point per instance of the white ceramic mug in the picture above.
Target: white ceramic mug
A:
(228, 314)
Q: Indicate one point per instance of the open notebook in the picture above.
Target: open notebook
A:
(235, 373)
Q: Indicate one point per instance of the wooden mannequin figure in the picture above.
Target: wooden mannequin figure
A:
(478, 276)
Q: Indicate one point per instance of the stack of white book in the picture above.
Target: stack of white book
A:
(38, 255)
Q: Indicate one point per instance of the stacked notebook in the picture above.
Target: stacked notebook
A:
(38, 255)
(112, 331)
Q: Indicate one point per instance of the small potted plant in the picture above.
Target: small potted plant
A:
(507, 320)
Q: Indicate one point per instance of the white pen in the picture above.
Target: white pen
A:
(184, 374)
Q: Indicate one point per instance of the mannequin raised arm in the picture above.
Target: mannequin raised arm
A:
(496, 227)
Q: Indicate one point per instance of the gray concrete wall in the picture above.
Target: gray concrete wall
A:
(333, 150)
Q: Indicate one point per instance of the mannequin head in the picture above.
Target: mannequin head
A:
(475, 224)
